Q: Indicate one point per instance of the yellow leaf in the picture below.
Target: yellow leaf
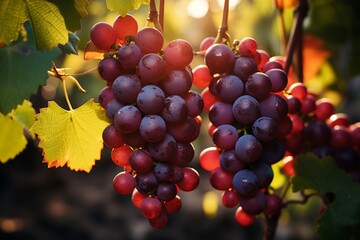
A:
(12, 139)
(71, 137)
(25, 115)
(124, 6)
(279, 178)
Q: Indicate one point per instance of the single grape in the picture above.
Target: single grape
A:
(112, 107)
(298, 90)
(246, 109)
(163, 150)
(247, 46)
(341, 119)
(272, 65)
(194, 103)
(254, 205)
(190, 180)
(340, 138)
(221, 179)
(177, 82)
(230, 198)
(125, 26)
(112, 137)
(263, 172)
(272, 152)
(159, 221)
(201, 76)
(151, 207)
(184, 131)
(124, 183)
(219, 58)
(146, 183)
(178, 53)
(243, 218)
(175, 109)
(129, 56)
(278, 79)
(152, 128)
(120, 156)
(317, 133)
(127, 119)
(166, 191)
(206, 43)
(126, 88)
(109, 69)
(149, 40)
(273, 106)
(134, 139)
(294, 104)
(221, 113)
(274, 204)
(163, 171)
(140, 161)
(184, 154)
(137, 197)
(105, 96)
(209, 158)
(258, 85)
(151, 99)
(324, 109)
(229, 162)
(244, 67)
(173, 205)
(229, 88)
(103, 36)
(248, 149)
(265, 129)
(245, 183)
(151, 68)
(225, 136)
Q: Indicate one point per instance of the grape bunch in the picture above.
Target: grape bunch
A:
(248, 124)
(317, 128)
(154, 115)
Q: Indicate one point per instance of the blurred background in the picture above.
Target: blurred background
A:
(41, 203)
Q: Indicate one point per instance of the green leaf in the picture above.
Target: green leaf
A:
(124, 6)
(23, 69)
(341, 220)
(51, 20)
(71, 137)
(71, 47)
(25, 115)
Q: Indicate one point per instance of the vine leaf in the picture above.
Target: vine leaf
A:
(12, 138)
(92, 52)
(124, 6)
(51, 20)
(23, 69)
(341, 218)
(71, 137)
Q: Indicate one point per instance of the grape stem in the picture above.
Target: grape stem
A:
(295, 39)
(304, 198)
(281, 21)
(154, 16)
(161, 14)
(223, 35)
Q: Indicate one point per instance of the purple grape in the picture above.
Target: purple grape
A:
(152, 128)
(244, 67)
(166, 191)
(248, 149)
(129, 56)
(134, 139)
(272, 152)
(263, 172)
(140, 160)
(225, 136)
(219, 58)
(258, 85)
(177, 82)
(194, 103)
(229, 88)
(151, 99)
(105, 96)
(221, 113)
(127, 119)
(184, 131)
(317, 133)
(163, 171)
(126, 88)
(163, 150)
(254, 205)
(264, 129)
(246, 109)
(273, 106)
(146, 183)
(112, 107)
(278, 79)
(184, 154)
(175, 109)
(112, 137)
(230, 162)
(246, 183)
(109, 69)
(151, 68)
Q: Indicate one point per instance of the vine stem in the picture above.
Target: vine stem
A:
(66, 95)
(154, 16)
(223, 34)
(296, 35)
(161, 14)
(282, 28)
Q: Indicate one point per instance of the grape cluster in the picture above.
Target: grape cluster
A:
(248, 124)
(154, 114)
(318, 129)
